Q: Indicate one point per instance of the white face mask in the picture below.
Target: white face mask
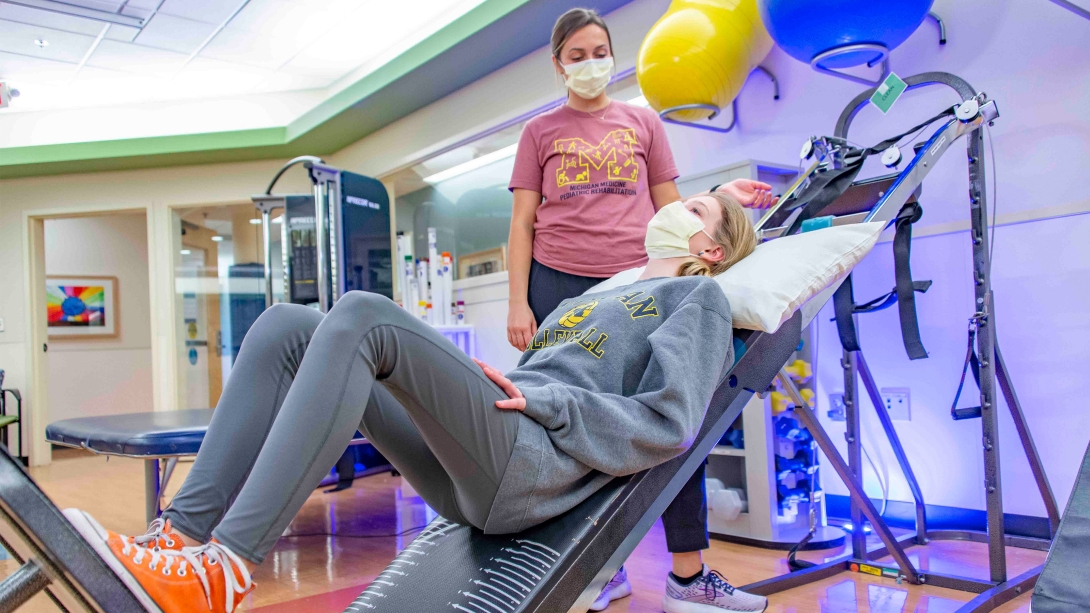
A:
(588, 79)
(669, 231)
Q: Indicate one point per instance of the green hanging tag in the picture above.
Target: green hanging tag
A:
(888, 93)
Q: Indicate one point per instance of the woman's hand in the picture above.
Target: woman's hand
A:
(516, 401)
(751, 194)
(521, 325)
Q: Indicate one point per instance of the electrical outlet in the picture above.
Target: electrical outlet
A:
(836, 407)
(1, 324)
(898, 402)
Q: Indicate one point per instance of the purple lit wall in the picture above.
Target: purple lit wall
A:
(1031, 57)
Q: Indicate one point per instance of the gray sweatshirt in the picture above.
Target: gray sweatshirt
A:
(615, 382)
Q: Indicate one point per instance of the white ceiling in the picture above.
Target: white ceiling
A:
(205, 48)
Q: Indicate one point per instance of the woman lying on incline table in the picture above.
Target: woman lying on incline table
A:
(613, 383)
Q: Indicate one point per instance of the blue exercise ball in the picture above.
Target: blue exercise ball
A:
(807, 28)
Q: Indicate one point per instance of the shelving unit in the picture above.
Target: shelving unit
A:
(766, 520)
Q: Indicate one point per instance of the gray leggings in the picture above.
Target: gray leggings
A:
(284, 419)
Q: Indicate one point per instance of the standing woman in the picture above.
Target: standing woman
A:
(588, 177)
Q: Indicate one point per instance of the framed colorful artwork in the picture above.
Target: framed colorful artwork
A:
(81, 306)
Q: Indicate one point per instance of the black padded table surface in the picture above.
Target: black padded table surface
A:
(155, 434)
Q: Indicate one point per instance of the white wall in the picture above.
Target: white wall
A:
(102, 376)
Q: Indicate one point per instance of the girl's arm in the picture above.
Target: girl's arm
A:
(749, 193)
(521, 326)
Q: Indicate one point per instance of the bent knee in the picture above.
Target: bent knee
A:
(360, 306)
(285, 317)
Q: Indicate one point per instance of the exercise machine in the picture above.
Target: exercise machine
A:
(334, 240)
(819, 192)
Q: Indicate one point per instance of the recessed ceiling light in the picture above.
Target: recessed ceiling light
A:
(256, 222)
(217, 238)
(278, 219)
(186, 252)
(41, 42)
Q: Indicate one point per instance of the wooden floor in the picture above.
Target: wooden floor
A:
(311, 571)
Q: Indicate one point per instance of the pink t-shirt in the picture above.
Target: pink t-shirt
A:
(594, 171)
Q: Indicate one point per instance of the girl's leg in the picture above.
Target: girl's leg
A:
(263, 372)
(367, 337)
(686, 525)
(387, 426)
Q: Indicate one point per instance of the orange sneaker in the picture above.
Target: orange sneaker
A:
(158, 537)
(206, 578)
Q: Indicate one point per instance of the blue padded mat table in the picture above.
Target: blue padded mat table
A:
(159, 434)
(154, 436)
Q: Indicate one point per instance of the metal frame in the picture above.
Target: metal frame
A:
(665, 113)
(327, 218)
(55, 559)
(882, 50)
(266, 204)
(883, 59)
(18, 412)
(64, 8)
(999, 589)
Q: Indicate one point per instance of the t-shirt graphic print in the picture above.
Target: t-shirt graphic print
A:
(594, 172)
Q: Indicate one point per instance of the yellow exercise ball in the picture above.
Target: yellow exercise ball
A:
(701, 52)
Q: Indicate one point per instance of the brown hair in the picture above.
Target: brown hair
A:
(573, 21)
(734, 234)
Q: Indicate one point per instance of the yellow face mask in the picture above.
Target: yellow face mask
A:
(589, 78)
(669, 231)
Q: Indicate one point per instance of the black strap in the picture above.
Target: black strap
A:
(906, 295)
(844, 307)
(823, 190)
(971, 361)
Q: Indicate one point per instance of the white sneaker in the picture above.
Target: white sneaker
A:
(709, 594)
(618, 587)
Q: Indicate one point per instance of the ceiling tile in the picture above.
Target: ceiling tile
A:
(208, 11)
(47, 19)
(270, 32)
(122, 33)
(97, 87)
(174, 33)
(205, 78)
(256, 48)
(63, 46)
(358, 37)
(282, 16)
(25, 72)
(140, 8)
(127, 57)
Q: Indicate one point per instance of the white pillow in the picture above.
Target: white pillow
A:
(766, 288)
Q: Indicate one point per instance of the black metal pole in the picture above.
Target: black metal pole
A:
(810, 421)
(985, 341)
(21, 586)
(855, 461)
(895, 443)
